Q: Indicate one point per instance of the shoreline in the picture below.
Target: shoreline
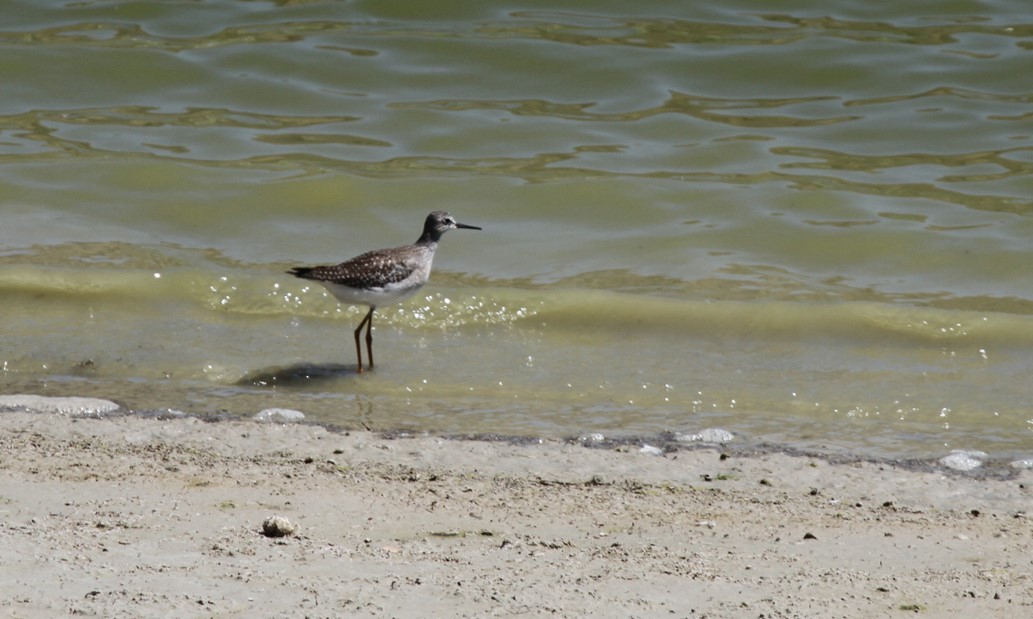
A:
(137, 516)
(972, 463)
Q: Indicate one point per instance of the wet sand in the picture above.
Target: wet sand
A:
(143, 517)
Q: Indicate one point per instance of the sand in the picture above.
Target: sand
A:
(145, 517)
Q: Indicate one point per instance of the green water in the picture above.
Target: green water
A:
(806, 223)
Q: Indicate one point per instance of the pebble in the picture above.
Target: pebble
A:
(709, 435)
(651, 451)
(76, 407)
(279, 415)
(962, 460)
(278, 526)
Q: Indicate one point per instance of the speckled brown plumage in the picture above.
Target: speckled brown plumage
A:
(372, 269)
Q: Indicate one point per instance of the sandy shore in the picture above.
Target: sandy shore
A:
(136, 517)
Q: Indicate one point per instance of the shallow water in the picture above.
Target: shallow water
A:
(808, 226)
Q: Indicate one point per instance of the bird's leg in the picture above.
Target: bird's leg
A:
(369, 339)
(358, 348)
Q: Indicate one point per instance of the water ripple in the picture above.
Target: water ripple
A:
(633, 32)
(947, 92)
(125, 35)
(883, 31)
(696, 106)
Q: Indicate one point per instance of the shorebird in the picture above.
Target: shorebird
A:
(382, 276)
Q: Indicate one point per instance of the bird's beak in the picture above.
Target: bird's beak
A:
(468, 227)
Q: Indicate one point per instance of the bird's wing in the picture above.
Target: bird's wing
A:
(371, 269)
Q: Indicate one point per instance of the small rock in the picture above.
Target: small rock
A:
(709, 435)
(279, 415)
(651, 451)
(76, 407)
(962, 460)
(1022, 464)
(277, 526)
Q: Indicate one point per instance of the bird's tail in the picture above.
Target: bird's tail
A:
(302, 272)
